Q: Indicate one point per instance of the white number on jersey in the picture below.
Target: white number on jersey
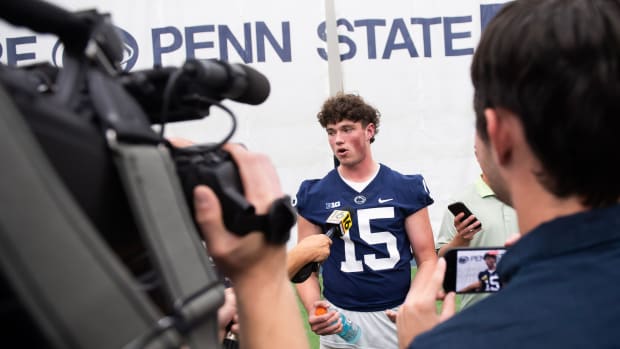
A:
(364, 216)
(493, 283)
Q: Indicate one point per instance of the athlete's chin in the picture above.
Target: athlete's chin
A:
(345, 160)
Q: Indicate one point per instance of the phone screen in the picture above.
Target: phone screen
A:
(473, 270)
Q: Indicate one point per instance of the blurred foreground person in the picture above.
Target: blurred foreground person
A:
(546, 76)
(267, 308)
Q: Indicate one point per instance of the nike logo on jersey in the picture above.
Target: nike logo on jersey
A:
(383, 201)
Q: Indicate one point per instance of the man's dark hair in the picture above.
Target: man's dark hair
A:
(556, 65)
(348, 107)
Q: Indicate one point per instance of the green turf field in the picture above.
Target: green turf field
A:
(314, 339)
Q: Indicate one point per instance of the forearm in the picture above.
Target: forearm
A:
(295, 260)
(268, 313)
(455, 243)
(309, 292)
(425, 267)
(471, 287)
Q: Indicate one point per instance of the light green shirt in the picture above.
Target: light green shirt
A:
(499, 221)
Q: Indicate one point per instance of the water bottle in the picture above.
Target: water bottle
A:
(351, 332)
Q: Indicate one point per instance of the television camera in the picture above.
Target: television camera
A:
(94, 124)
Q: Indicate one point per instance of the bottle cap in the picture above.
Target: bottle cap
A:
(320, 310)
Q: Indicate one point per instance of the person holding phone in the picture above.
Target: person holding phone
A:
(491, 223)
(546, 79)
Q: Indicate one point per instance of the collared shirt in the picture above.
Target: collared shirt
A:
(561, 289)
(499, 221)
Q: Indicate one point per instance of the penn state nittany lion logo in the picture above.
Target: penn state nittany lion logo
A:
(130, 51)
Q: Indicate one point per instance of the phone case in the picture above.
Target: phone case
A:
(459, 207)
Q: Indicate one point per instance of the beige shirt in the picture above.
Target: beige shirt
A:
(499, 221)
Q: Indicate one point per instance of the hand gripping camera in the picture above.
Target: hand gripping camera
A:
(103, 175)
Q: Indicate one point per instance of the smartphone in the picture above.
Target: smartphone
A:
(472, 270)
(459, 207)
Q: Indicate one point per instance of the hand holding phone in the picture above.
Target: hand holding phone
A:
(464, 228)
(458, 207)
(472, 270)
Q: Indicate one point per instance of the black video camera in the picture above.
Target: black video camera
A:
(171, 95)
(154, 96)
(214, 167)
(77, 111)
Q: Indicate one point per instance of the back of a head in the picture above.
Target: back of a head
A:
(556, 64)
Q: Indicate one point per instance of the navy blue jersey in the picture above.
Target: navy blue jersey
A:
(369, 268)
(490, 281)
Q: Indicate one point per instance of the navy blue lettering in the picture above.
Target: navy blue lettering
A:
(341, 39)
(346, 40)
(12, 57)
(450, 36)
(399, 26)
(322, 34)
(283, 51)
(158, 49)
(487, 12)
(226, 36)
(426, 32)
(370, 25)
(191, 45)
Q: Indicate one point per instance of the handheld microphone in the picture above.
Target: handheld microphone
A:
(338, 224)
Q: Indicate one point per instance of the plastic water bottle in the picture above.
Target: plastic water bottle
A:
(351, 332)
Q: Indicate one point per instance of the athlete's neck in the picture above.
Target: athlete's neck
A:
(359, 172)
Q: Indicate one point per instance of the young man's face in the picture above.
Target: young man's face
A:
(350, 142)
(491, 261)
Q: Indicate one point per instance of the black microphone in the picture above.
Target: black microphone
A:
(338, 224)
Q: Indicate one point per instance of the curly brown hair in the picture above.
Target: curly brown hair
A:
(346, 106)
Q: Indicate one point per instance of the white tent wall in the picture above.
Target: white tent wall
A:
(410, 59)
(421, 87)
